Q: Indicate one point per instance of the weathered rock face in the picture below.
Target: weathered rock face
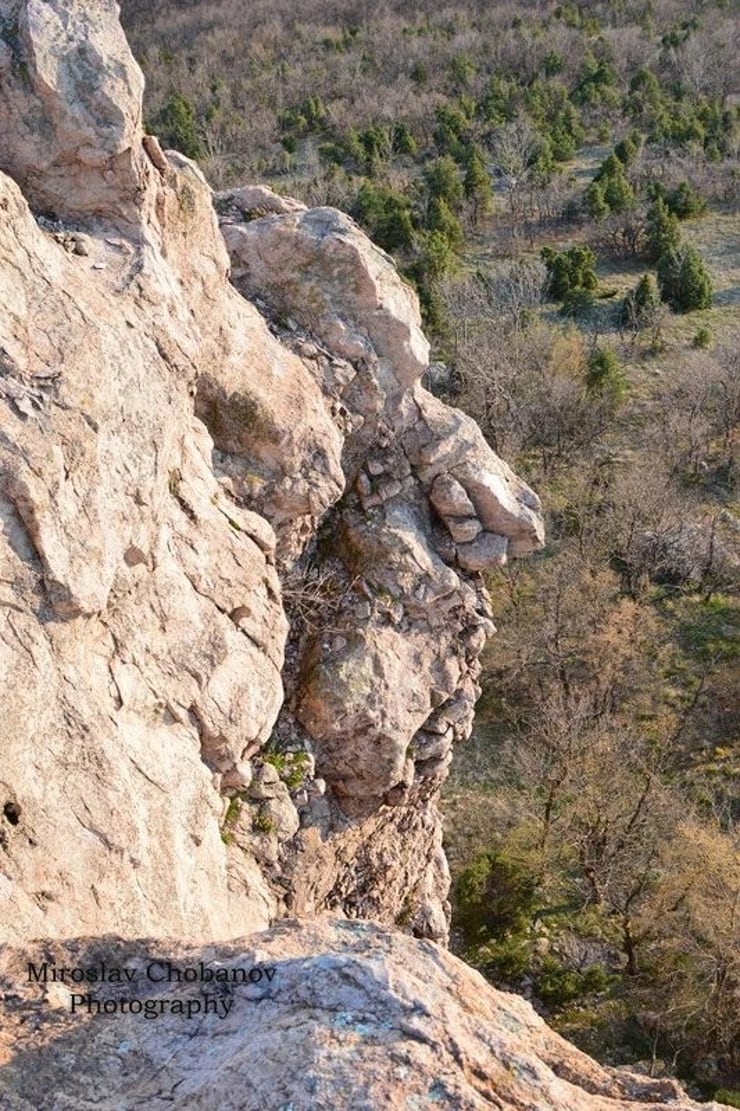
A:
(240, 619)
(386, 683)
(131, 670)
(351, 1017)
(73, 91)
(176, 477)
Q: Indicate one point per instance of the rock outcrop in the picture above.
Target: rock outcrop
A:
(351, 1017)
(189, 467)
(240, 620)
(73, 92)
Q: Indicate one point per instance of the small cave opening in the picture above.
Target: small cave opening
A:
(12, 812)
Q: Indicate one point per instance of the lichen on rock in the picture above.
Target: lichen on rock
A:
(338, 1014)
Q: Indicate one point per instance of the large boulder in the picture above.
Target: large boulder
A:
(71, 87)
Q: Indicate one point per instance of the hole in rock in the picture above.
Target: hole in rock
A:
(12, 812)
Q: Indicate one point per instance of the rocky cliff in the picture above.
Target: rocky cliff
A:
(240, 546)
(241, 543)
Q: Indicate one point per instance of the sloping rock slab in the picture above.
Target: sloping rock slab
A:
(334, 1014)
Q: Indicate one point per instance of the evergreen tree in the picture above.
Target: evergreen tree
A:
(441, 219)
(618, 193)
(386, 215)
(403, 140)
(646, 295)
(683, 280)
(177, 126)
(569, 272)
(443, 181)
(684, 202)
(596, 205)
(610, 191)
(639, 306)
(626, 150)
(663, 232)
(477, 184)
(604, 376)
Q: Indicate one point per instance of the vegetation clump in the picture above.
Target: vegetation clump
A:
(683, 280)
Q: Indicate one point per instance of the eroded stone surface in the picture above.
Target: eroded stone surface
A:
(318, 266)
(175, 475)
(73, 91)
(126, 682)
(352, 1017)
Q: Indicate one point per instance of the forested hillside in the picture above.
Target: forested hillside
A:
(560, 183)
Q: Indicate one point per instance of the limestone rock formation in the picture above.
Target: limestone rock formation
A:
(181, 468)
(386, 684)
(351, 1017)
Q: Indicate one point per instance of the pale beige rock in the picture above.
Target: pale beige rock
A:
(487, 550)
(143, 555)
(124, 676)
(352, 1018)
(449, 498)
(325, 272)
(445, 442)
(75, 144)
(364, 705)
(253, 201)
(463, 530)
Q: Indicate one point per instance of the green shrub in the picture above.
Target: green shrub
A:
(663, 233)
(498, 103)
(403, 140)
(610, 187)
(507, 960)
(443, 181)
(604, 375)
(494, 897)
(263, 823)
(645, 102)
(177, 127)
(556, 984)
(553, 63)
(702, 338)
(376, 143)
(461, 71)
(596, 205)
(683, 280)
(435, 258)
(569, 272)
(626, 150)
(477, 184)
(441, 219)
(451, 132)
(596, 84)
(556, 117)
(292, 767)
(386, 216)
(684, 202)
(233, 810)
(729, 1096)
(638, 307)
(577, 304)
